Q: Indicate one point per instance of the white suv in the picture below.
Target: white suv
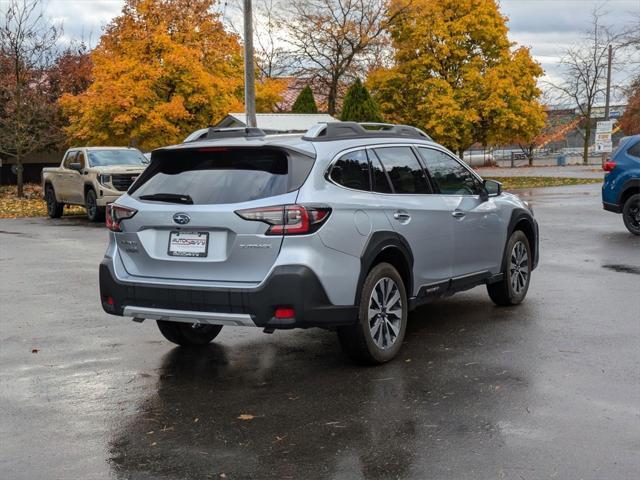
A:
(347, 227)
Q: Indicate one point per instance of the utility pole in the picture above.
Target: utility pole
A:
(606, 105)
(607, 96)
(249, 71)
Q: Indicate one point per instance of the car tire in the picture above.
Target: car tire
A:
(382, 318)
(516, 272)
(54, 208)
(188, 334)
(631, 214)
(94, 212)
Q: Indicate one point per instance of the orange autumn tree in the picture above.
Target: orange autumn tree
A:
(162, 69)
(630, 121)
(555, 129)
(457, 75)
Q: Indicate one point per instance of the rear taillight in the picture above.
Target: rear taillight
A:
(115, 214)
(288, 219)
(608, 166)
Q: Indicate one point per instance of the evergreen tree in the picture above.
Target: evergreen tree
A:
(305, 102)
(358, 105)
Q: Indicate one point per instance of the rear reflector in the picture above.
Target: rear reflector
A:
(608, 166)
(288, 219)
(284, 312)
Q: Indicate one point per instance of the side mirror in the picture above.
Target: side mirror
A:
(491, 188)
(75, 166)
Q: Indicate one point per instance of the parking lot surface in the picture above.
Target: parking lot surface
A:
(548, 389)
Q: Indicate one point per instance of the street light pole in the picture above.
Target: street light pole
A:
(249, 72)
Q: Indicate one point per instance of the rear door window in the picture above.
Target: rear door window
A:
(404, 170)
(218, 175)
(352, 171)
(635, 150)
(379, 178)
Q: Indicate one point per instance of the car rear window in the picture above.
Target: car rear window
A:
(217, 175)
(352, 171)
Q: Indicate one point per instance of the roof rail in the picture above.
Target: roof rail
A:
(323, 132)
(233, 132)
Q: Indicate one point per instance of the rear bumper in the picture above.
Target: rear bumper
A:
(612, 207)
(290, 286)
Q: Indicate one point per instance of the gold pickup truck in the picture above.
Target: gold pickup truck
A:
(91, 177)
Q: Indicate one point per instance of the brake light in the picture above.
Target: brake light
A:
(288, 219)
(115, 214)
(213, 149)
(284, 312)
(608, 166)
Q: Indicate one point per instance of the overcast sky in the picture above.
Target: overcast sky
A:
(547, 26)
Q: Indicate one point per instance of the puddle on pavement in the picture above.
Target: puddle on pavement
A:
(623, 268)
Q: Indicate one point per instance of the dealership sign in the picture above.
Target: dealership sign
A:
(603, 136)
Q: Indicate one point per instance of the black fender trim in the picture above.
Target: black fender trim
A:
(612, 207)
(376, 244)
(49, 183)
(517, 215)
(631, 187)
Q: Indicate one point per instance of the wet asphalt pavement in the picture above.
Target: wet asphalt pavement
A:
(548, 389)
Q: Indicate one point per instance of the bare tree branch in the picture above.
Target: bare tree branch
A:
(585, 72)
(27, 50)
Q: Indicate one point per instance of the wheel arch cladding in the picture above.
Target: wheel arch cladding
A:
(522, 220)
(630, 188)
(391, 248)
(88, 186)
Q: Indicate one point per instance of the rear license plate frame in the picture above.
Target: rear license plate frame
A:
(187, 254)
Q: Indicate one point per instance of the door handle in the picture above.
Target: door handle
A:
(458, 213)
(401, 215)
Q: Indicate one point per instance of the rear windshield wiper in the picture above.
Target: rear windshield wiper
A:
(169, 198)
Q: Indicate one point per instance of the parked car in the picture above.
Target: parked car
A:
(621, 186)
(91, 177)
(342, 228)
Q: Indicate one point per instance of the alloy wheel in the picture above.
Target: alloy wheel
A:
(519, 267)
(92, 207)
(634, 216)
(385, 313)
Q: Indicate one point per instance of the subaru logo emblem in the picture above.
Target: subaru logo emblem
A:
(181, 218)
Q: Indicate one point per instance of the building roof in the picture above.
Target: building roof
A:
(294, 86)
(281, 122)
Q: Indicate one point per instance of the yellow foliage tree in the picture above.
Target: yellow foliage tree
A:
(456, 75)
(162, 69)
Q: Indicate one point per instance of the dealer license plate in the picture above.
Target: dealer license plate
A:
(188, 244)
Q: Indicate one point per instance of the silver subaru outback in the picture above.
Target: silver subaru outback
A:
(348, 227)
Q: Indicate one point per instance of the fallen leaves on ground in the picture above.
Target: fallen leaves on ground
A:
(32, 205)
(515, 183)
